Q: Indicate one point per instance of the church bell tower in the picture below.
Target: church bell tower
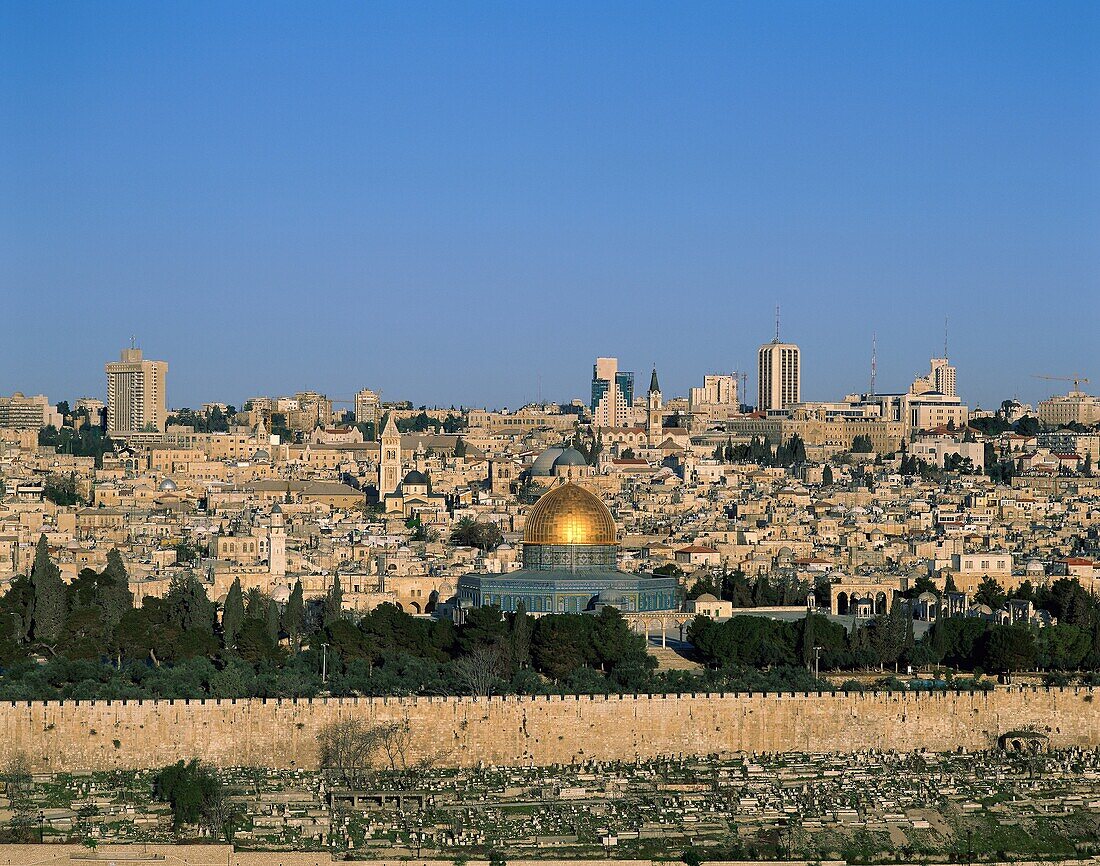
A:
(653, 412)
(389, 461)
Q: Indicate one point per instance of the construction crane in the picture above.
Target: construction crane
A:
(1076, 379)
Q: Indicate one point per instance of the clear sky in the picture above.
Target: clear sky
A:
(453, 202)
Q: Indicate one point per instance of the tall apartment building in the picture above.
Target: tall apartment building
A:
(27, 413)
(716, 400)
(366, 407)
(940, 378)
(316, 410)
(717, 390)
(136, 396)
(779, 374)
(612, 394)
(930, 402)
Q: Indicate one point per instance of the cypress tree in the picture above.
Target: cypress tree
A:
(910, 636)
(809, 640)
(294, 617)
(115, 596)
(256, 606)
(187, 605)
(232, 613)
(50, 602)
(334, 601)
(271, 620)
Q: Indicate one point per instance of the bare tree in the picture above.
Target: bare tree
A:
(221, 815)
(479, 670)
(347, 748)
(15, 779)
(396, 738)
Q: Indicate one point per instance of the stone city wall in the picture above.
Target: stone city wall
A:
(101, 735)
(58, 854)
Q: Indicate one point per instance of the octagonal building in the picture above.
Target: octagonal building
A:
(570, 564)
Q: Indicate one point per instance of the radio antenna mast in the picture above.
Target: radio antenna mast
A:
(874, 361)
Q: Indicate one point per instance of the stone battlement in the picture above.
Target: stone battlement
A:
(551, 729)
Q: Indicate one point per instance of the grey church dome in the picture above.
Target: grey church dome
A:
(545, 462)
(570, 457)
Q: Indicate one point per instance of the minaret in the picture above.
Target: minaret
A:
(389, 461)
(276, 543)
(653, 412)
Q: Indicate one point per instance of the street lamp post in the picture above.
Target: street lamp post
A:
(324, 663)
(817, 661)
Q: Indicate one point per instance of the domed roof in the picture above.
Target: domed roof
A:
(415, 476)
(261, 456)
(706, 596)
(168, 486)
(569, 514)
(545, 461)
(570, 457)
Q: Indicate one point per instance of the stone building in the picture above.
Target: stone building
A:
(570, 564)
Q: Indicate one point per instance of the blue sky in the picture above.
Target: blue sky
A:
(453, 202)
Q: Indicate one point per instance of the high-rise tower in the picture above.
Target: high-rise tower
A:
(779, 373)
(136, 398)
(612, 394)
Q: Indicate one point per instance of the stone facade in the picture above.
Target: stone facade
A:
(102, 735)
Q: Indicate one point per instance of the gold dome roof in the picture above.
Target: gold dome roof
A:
(569, 514)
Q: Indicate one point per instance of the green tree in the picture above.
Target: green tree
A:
(192, 790)
(271, 620)
(990, 593)
(520, 632)
(294, 617)
(862, 444)
(254, 642)
(482, 626)
(334, 602)
(473, 533)
(115, 596)
(50, 601)
(827, 475)
(1027, 426)
(1008, 648)
(255, 603)
(809, 640)
(187, 607)
(233, 613)
(61, 490)
(18, 785)
(562, 644)
(614, 644)
(1063, 647)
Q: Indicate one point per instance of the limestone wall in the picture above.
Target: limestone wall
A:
(98, 735)
(226, 855)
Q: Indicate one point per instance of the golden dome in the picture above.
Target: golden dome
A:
(569, 514)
